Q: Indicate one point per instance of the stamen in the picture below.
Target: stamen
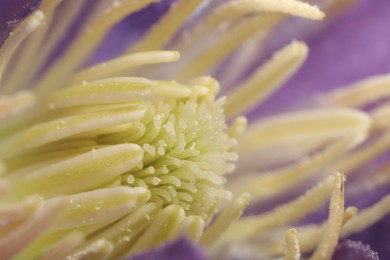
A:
(61, 128)
(225, 45)
(11, 105)
(331, 233)
(238, 127)
(99, 206)
(109, 90)
(30, 48)
(360, 93)
(248, 227)
(34, 226)
(309, 236)
(239, 8)
(164, 227)
(71, 9)
(82, 172)
(112, 67)
(123, 233)
(88, 39)
(167, 26)
(379, 117)
(367, 217)
(64, 247)
(275, 182)
(13, 216)
(363, 155)
(225, 220)
(193, 227)
(99, 250)
(292, 251)
(306, 126)
(21, 32)
(266, 79)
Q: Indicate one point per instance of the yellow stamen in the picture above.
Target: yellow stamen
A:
(266, 80)
(226, 45)
(88, 39)
(331, 233)
(225, 220)
(306, 126)
(31, 47)
(112, 67)
(11, 105)
(248, 227)
(292, 251)
(277, 181)
(63, 247)
(360, 93)
(167, 26)
(21, 32)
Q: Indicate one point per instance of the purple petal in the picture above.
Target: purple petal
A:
(377, 236)
(177, 250)
(354, 250)
(12, 12)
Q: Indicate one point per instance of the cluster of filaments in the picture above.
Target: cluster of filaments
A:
(110, 148)
(98, 163)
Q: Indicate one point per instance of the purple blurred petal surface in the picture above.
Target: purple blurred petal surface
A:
(354, 250)
(177, 250)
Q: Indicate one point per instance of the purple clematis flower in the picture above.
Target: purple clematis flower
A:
(112, 147)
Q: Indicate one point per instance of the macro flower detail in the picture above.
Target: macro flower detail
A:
(126, 157)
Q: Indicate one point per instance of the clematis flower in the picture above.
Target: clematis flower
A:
(133, 152)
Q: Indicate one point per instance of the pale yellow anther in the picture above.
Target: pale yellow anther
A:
(35, 225)
(31, 51)
(98, 250)
(164, 226)
(87, 40)
(266, 79)
(331, 233)
(225, 45)
(309, 236)
(208, 82)
(123, 63)
(234, 10)
(379, 117)
(13, 104)
(238, 127)
(99, 206)
(367, 217)
(170, 89)
(64, 247)
(89, 169)
(105, 91)
(292, 250)
(239, 8)
(360, 93)
(248, 227)
(167, 26)
(305, 126)
(193, 227)
(61, 128)
(275, 182)
(225, 220)
(359, 157)
(13, 41)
